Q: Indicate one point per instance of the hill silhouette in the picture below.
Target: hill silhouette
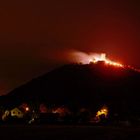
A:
(78, 85)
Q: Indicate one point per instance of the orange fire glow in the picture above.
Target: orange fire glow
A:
(86, 58)
(102, 57)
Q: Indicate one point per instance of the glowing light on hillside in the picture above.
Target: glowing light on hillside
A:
(102, 57)
(86, 58)
(27, 109)
(95, 58)
(102, 112)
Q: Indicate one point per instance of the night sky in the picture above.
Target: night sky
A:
(36, 35)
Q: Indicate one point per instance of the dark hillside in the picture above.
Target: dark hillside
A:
(78, 85)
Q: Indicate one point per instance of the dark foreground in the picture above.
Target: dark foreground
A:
(45, 132)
